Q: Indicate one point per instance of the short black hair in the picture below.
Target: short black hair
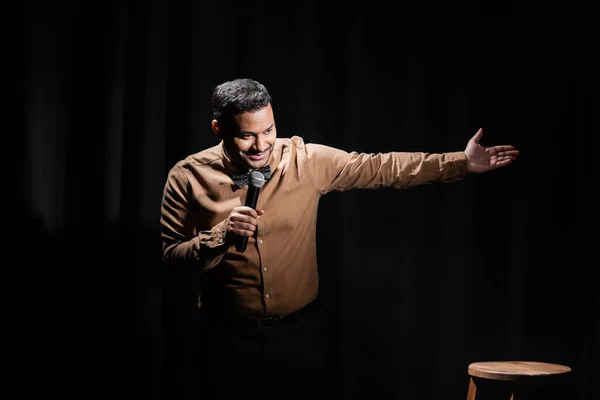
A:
(238, 96)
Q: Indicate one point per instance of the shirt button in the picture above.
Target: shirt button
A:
(265, 268)
(260, 241)
(267, 296)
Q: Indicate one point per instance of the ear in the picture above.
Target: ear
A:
(216, 127)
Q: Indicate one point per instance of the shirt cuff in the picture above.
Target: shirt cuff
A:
(215, 237)
(458, 166)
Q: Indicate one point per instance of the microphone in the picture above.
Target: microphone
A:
(256, 181)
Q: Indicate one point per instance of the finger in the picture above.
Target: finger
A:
(502, 162)
(504, 148)
(511, 153)
(477, 135)
(238, 218)
(507, 154)
(245, 210)
(243, 228)
(238, 232)
(247, 219)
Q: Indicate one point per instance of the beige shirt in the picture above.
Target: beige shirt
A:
(277, 274)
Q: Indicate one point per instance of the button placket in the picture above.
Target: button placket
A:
(263, 256)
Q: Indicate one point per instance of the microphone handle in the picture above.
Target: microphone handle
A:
(251, 200)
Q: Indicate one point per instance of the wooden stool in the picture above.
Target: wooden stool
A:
(517, 380)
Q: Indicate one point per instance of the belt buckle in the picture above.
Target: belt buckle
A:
(269, 322)
(260, 323)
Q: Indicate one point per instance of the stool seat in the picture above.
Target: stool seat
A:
(515, 370)
(516, 380)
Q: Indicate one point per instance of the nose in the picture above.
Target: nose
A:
(260, 144)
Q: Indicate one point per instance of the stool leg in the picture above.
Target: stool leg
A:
(472, 390)
(489, 390)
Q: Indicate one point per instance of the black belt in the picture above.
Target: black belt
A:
(311, 308)
(274, 321)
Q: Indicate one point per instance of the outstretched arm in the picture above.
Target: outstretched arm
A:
(482, 159)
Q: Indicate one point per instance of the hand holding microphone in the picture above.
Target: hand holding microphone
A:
(243, 220)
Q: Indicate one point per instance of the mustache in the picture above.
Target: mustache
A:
(253, 153)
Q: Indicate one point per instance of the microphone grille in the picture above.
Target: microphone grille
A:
(257, 179)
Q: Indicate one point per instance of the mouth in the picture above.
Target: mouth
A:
(258, 156)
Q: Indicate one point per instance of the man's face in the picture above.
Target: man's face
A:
(250, 141)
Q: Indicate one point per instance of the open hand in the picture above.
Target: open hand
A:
(483, 159)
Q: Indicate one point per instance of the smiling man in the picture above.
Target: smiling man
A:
(261, 327)
(249, 139)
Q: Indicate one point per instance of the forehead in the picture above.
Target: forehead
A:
(256, 121)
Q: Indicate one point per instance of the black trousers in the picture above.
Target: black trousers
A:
(289, 360)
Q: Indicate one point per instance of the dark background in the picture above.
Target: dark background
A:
(418, 283)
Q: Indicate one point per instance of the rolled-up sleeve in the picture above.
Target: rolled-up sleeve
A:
(180, 241)
(337, 170)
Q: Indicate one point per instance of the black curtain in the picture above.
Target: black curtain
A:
(418, 283)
